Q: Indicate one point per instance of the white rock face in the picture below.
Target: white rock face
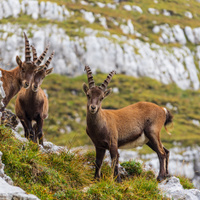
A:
(182, 162)
(101, 5)
(103, 22)
(132, 57)
(127, 7)
(186, 159)
(137, 9)
(84, 2)
(112, 6)
(166, 13)
(197, 35)
(196, 122)
(15, 7)
(88, 16)
(131, 27)
(173, 189)
(188, 15)
(33, 8)
(189, 34)
(179, 34)
(8, 191)
(7, 12)
(153, 11)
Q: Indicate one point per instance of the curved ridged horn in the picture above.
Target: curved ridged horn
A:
(27, 50)
(47, 63)
(41, 58)
(104, 85)
(34, 53)
(90, 77)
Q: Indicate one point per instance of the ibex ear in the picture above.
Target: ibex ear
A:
(18, 60)
(85, 88)
(107, 92)
(48, 71)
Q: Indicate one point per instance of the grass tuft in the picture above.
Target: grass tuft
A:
(66, 175)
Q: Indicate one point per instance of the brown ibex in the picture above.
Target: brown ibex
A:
(32, 104)
(20, 76)
(128, 127)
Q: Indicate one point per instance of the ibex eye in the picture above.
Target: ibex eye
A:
(23, 70)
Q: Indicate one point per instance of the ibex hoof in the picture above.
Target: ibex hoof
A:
(118, 179)
(160, 179)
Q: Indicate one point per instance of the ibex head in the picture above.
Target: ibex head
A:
(96, 94)
(42, 72)
(28, 68)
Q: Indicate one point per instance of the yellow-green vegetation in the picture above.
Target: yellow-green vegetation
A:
(186, 183)
(66, 175)
(143, 22)
(132, 167)
(67, 107)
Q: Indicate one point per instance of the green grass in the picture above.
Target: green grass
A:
(67, 107)
(66, 175)
(186, 183)
(132, 167)
(143, 23)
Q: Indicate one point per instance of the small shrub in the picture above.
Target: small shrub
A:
(186, 183)
(132, 167)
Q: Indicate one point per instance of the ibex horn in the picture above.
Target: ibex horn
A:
(47, 63)
(104, 85)
(27, 50)
(90, 77)
(41, 58)
(34, 53)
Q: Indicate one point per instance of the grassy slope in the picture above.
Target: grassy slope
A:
(68, 107)
(68, 176)
(143, 23)
(65, 176)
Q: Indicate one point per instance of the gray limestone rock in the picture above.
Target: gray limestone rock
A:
(179, 34)
(130, 56)
(189, 34)
(173, 189)
(137, 9)
(9, 192)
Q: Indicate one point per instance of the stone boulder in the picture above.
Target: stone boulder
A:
(9, 192)
(172, 189)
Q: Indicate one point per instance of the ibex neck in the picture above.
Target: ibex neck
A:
(95, 120)
(11, 83)
(30, 94)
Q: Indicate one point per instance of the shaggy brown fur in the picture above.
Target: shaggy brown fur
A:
(129, 127)
(19, 77)
(32, 105)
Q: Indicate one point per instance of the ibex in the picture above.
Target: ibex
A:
(20, 76)
(128, 127)
(32, 104)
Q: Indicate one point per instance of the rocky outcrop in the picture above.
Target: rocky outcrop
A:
(177, 34)
(182, 162)
(100, 49)
(172, 189)
(186, 159)
(33, 8)
(132, 56)
(10, 192)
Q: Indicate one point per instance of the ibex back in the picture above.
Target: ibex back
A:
(129, 127)
(20, 76)
(32, 104)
